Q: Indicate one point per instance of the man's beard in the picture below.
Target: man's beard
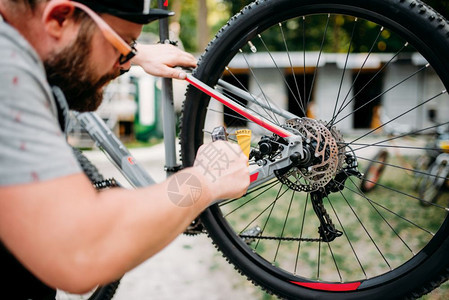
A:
(70, 70)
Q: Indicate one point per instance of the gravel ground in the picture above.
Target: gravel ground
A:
(189, 268)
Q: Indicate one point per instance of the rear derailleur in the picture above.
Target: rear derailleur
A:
(327, 230)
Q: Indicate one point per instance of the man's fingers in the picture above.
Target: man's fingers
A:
(182, 75)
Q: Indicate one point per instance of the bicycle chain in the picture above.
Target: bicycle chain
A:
(322, 210)
(277, 238)
(196, 227)
(325, 220)
(111, 182)
(103, 184)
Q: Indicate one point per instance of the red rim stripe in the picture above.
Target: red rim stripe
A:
(332, 287)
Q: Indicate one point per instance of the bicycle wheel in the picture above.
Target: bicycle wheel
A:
(431, 185)
(105, 292)
(374, 171)
(327, 60)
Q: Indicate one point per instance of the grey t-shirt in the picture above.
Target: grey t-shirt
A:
(32, 145)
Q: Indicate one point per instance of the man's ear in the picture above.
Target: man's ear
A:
(55, 16)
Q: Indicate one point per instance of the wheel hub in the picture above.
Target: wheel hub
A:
(321, 158)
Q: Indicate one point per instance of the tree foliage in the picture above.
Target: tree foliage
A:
(307, 33)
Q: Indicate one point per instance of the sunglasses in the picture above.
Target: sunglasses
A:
(127, 51)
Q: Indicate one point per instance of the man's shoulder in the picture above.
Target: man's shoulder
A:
(22, 72)
(16, 51)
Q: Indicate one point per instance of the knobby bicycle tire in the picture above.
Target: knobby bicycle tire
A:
(390, 246)
(107, 291)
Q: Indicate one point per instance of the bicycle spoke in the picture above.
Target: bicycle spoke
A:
(279, 70)
(272, 115)
(385, 220)
(398, 116)
(300, 234)
(268, 218)
(365, 230)
(266, 108)
(283, 226)
(229, 115)
(415, 171)
(304, 53)
(269, 184)
(386, 91)
(272, 204)
(379, 143)
(343, 105)
(335, 261)
(319, 56)
(319, 261)
(299, 101)
(392, 212)
(389, 146)
(347, 238)
(411, 196)
(334, 115)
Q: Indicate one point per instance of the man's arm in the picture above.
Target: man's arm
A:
(160, 60)
(73, 237)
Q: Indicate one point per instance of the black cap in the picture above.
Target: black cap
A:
(136, 11)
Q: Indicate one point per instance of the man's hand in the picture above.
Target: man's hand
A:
(225, 169)
(161, 60)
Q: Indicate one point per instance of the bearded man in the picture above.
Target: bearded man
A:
(53, 223)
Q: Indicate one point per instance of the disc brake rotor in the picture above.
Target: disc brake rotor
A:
(326, 157)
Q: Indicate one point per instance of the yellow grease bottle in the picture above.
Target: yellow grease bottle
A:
(244, 140)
